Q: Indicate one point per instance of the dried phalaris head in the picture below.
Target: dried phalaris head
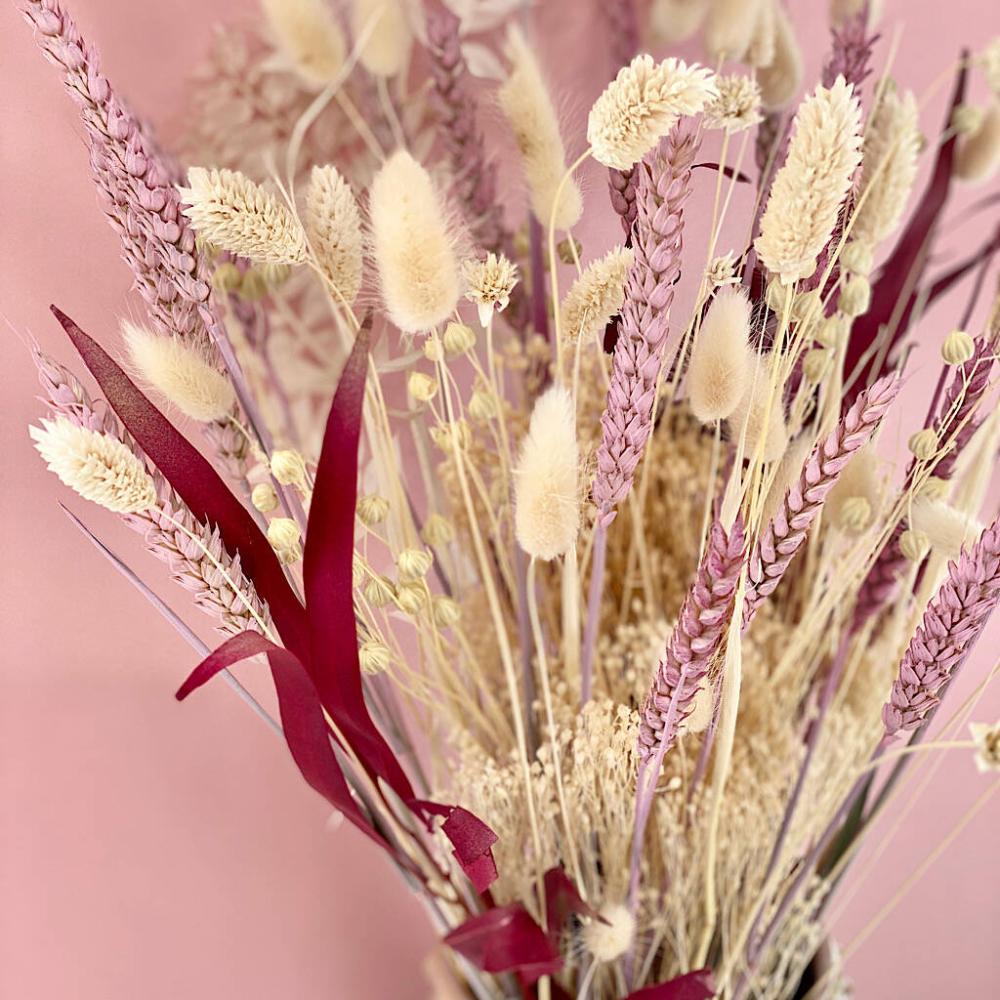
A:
(413, 564)
(855, 295)
(388, 38)
(422, 388)
(923, 444)
(437, 530)
(458, 339)
(378, 591)
(730, 27)
(411, 596)
(446, 611)
(675, 21)
(914, 545)
(978, 154)
(333, 225)
(596, 295)
(780, 79)
(309, 36)
(760, 413)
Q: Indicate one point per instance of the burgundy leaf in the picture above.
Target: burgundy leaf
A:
(471, 839)
(741, 177)
(302, 719)
(691, 986)
(197, 483)
(562, 899)
(506, 939)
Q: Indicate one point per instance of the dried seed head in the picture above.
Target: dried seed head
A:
(857, 258)
(610, 937)
(411, 596)
(333, 225)
(284, 535)
(844, 10)
(264, 498)
(236, 214)
(421, 387)
(958, 347)
(914, 545)
(446, 612)
(414, 251)
(831, 331)
(978, 154)
(546, 492)
(181, 372)
(855, 295)
(374, 656)
(525, 101)
(483, 405)
(730, 28)
(388, 38)
(641, 105)
(780, 79)
(934, 488)
(805, 199)
(722, 361)
(97, 466)
(433, 348)
(722, 270)
(413, 564)
(437, 530)
(596, 295)
(816, 364)
(378, 591)
(966, 118)
(309, 36)
(450, 435)
(736, 106)
(858, 493)
(987, 740)
(372, 509)
(458, 339)
(289, 467)
(675, 21)
(923, 444)
(947, 530)
(489, 284)
(856, 515)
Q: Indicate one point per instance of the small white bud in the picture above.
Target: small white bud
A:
(421, 387)
(856, 258)
(924, 444)
(958, 347)
(413, 564)
(458, 338)
(411, 596)
(482, 405)
(446, 612)
(914, 545)
(378, 591)
(433, 348)
(264, 498)
(437, 530)
(815, 364)
(284, 535)
(374, 657)
(288, 467)
(372, 509)
(855, 296)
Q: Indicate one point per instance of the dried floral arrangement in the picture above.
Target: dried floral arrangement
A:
(609, 623)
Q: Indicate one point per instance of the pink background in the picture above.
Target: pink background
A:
(156, 851)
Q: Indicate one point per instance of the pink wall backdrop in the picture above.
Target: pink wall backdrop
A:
(156, 851)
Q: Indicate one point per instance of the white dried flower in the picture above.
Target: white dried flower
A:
(264, 498)
(458, 339)
(891, 150)
(923, 444)
(730, 28)
(722, 270)
(823, 154)
(780, 79)
(374, 656)
(722, 361)
(372, 509)
(546, 500)
(987, 740)
(489, 283)
(288, 467)
(421, 387)
(760, 415)
(978, 154)
(97, 466)
(333, 225)
(641, 105)
(610, 937)
(437, 530)
(947, 530)
(736, 106)
(232, 212)
(417, 264)
(389, 38)
(958, 347)
(525, 102)
(284, 535)
(181, 372)
(309, 36)
(596, 295)
(413, 564)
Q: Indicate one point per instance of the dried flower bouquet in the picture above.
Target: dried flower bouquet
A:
(605, 620)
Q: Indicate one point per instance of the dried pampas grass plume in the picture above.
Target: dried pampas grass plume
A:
(98, 466)
(180, 372)
(676, 21)
(642, 104)
(722, 361)
(308, 34)
(781, 78)
(760, 413)
(596, 295)
(978, 154)
(546, 500)
(232, 212)
(823, 154)
(730, 28)
(333, 225)
(387, 47)
(414, 251)
(525, 101)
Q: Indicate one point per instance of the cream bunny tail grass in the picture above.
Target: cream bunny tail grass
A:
(978, 154)
(418, 267)
(722, 360)
(675, 21)
(180, 371)
(758, 416)
(310, 37)
(823, 154)
(525, 101)
(229, 210)
(387, 48)
(730, 28)
(333, 226)
(546, 492)
(96, 465)
(641, 105)
(596, 295)
(781, 78)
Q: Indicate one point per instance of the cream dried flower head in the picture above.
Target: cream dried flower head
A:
(987, 740)
(596, 295)
(641, 105)
(413, 248)
(333, 224)
(309, 35)
(823, 154)
(489, 283)
(98, 466)
(736, 106)
(722, 270)
(232, 212)
(181, 372)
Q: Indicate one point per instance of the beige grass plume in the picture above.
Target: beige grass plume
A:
(823, 154)
(947, 529)
(97, 466)
(730, 28)
(546, 489)
(641, 105)
(842, 10)
(390, 38)
(759, 414)
(675, 21)
(414, 251)
(525, 101)
(781, 78)
(857, 496)
(722, 361)
(596, 295)
(231, 211)
(309, 35)
(180, 371)
(333, 225)
(978, 154)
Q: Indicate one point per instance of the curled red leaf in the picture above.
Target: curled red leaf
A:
(696, 985)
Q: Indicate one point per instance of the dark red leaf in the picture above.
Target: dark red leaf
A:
(327, 572)
(302, 719)
(471, 839)
(691, 986)
(562, 899)
(197, 483)
(506, 939)
(741, 177)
